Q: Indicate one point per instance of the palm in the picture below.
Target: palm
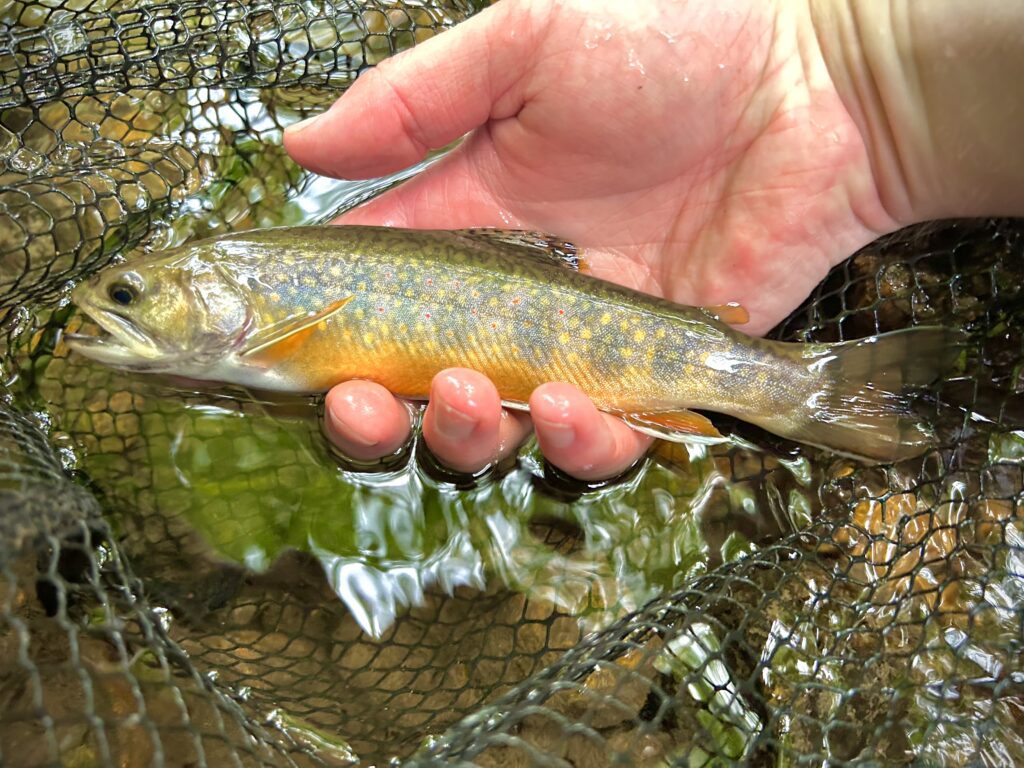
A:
(700, 172)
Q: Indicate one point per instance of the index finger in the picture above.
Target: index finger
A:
(423, 99)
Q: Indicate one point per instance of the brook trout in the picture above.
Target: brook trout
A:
(303, 308)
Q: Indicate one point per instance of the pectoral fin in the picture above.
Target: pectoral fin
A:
(283, 339)
(677, 426)
(731, 313)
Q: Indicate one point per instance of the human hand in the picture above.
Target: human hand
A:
(695, 151)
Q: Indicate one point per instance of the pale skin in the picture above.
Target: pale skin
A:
(705, 152)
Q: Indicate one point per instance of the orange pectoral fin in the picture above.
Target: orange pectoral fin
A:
(283, 340)
(282, 349)
(731, 313)
(677, 426)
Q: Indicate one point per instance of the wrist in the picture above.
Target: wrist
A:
(865, 63)
(932, 89)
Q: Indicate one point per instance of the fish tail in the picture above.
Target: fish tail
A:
(860, 405)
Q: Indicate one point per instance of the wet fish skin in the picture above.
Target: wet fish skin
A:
(301, 309)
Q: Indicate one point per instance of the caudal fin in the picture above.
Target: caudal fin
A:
(861, 405)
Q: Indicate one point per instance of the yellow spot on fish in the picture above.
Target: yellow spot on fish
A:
(640, 335)
(359, 313)
(626, 352)
(660, 333)
(606, 318)
(361, 286)
(335, 271)
(403, 328)
(368, 339)
(563, 338)
(275, 296)
(585, 333)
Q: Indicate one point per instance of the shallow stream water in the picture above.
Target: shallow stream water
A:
(805, 607)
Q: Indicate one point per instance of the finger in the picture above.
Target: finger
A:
(365, 421)
(421, 100)
(464, 425)
(580, 440)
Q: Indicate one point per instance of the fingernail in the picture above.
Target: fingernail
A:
(302, 124)
(354, 428)
(453, 423)
(554, 434)
(556, 404)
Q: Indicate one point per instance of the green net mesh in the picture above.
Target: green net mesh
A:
(191, 580)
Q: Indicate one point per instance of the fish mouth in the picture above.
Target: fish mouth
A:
(120, 343)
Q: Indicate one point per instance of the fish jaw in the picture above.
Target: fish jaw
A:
(106, 351)
(124, 344)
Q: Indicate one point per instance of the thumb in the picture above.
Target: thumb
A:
(423, 99)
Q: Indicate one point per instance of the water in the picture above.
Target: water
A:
(67, 38)
(231, 508)
(363, 613)
(240, 520)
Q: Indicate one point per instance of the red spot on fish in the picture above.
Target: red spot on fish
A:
(430, 281)
(561, 311)
(517, 300)
(494, 325)
(387, 275)
(472, 311)
(380, 309)
(427, 315)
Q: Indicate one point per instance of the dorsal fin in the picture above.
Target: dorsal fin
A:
(533, 244)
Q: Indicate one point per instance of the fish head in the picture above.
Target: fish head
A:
(177, 315)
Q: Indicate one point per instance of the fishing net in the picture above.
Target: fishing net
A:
(189, 579)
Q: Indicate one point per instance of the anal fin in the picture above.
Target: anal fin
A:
(678, 426)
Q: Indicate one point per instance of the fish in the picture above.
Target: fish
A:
(301, 309)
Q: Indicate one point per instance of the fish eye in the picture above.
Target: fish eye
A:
(123, 294)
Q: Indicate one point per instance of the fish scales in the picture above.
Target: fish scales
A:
(416, 310)
(304, 308)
